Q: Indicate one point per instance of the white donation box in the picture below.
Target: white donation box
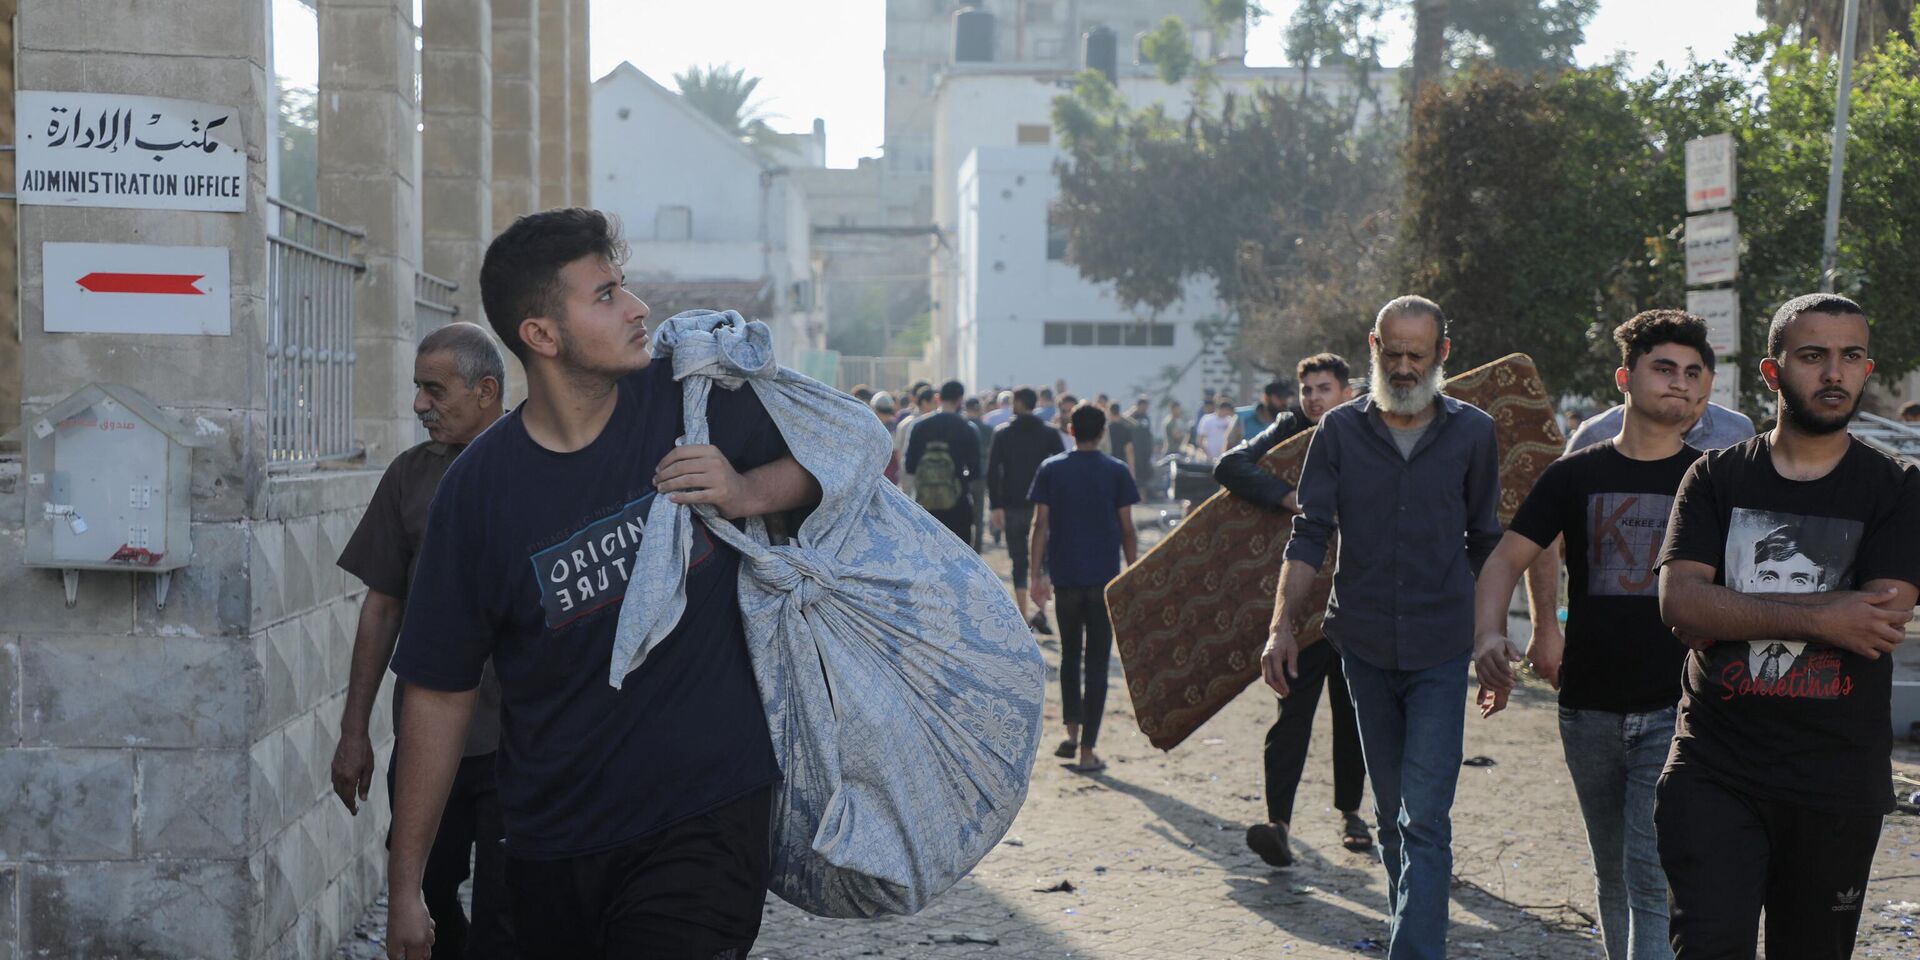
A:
(108, 478)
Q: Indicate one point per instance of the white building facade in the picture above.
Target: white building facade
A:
(710, 222)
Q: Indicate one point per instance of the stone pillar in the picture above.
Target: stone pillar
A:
(368, 157)
(124, 743)
(580, 92)
(516, 110)
(556, 102)
(457, 181)
(9, 253)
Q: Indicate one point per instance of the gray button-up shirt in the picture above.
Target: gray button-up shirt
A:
(1413, 530)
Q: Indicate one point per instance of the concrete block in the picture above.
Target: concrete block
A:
(9, 691)
(458, 210)
(381, 204)
(209, 597)
(322, 491)
(66, 804)
(516, 52)
(180, 28)
(149, 908)
(175, 372)
(299, 565)
(158, 692)
(516, 151)
(279, 690)
(266, 541)
(224, 472)
(458, 147)
(365, 48)
(455, 82)
(513, 199)
(456, 24)
(9, 911)
(35, 601)
(193, 803)
(366, 132)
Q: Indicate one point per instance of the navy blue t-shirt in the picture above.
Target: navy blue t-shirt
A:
(526, 560)
(1084, 491)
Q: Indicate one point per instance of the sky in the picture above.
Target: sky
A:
(823, 59)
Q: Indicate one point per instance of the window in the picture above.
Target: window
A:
(1032, 133)
(1125, 333)
(1056, 235)
(673, 223)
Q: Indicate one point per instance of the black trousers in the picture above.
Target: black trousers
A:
(694, 890)
(1082, 612)
(471, 832)
(1728, 855)
(1019, 527)
(1289, 737)
(959, 519)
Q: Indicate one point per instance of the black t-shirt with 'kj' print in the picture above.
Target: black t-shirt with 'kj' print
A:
(1613, 511)
(1788, 720)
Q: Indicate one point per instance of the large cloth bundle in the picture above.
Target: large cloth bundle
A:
(1191, 618)
(902, 689)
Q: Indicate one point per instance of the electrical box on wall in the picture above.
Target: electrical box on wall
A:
(108, 477)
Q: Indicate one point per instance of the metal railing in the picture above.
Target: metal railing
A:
(1888, 436)
(312, 269)
(433, 305)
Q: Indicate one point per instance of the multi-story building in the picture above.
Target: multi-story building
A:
(711, 221)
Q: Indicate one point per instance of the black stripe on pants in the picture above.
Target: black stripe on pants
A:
(1082, 612)
(1728, 855)
(1288, 738)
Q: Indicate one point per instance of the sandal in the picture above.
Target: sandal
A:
(1269, 840)
(1094, 767)
(1357, 838)
(1067, 749)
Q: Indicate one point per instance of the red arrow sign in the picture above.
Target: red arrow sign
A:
(180, 283)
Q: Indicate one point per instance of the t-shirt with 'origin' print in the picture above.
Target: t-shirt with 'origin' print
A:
(1798, 722)
(1613, 510)
(526, 559)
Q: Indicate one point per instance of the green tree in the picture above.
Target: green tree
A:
(1170, 49)
(1821, 22)
(1521, 35)
(724, 95)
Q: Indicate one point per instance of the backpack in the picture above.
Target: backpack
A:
(936, 483)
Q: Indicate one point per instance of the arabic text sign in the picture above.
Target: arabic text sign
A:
(136, 288)
(1710, 180)
(110, 150)
(1721, 310)
(1713, 248)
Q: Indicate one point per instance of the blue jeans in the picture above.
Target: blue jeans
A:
(1615, 760)
(1411, 722)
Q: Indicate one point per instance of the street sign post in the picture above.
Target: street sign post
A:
(1721, 309)
(115, 150)
(1710, 180)
(1713, 248)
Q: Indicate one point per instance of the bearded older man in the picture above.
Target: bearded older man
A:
(1410, 480)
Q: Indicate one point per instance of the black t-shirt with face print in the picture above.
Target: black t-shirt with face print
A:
(1799, 722)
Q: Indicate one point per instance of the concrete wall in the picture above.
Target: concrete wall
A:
(166, 770)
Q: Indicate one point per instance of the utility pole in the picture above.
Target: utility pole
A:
(1830, 245)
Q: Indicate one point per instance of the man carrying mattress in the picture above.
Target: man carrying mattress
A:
(638, 818)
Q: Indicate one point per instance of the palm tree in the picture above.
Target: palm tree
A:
(722, 93)
(1429, 45)
(1820, 21)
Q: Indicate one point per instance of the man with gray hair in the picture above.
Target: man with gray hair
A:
(458, 376)
(1410, 479)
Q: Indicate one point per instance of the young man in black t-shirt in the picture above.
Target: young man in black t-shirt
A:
(1618, 670)
(638, 818)
(1790, 568)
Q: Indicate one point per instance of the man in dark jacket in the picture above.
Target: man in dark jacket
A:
(943, 452)
(976, 418)
(1019, 446)
(1323, 386)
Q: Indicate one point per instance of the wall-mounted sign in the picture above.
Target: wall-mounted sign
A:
(110, 150)
(136, 288)
(1713, 248)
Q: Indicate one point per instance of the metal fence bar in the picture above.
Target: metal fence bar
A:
(312, 271)
(433, 305)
